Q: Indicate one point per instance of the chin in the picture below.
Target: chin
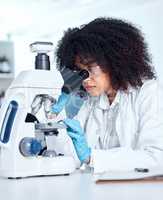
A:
(94, 94)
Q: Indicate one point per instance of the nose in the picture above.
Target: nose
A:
(88, 79)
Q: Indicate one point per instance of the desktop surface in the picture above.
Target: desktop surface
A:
(78, 186)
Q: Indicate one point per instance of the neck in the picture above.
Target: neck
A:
(111, 95)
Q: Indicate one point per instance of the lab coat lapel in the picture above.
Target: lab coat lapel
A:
(94, 125)
(125, 123)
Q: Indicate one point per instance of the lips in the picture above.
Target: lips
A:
(89, 87)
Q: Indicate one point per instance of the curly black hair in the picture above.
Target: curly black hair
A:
(116, 45)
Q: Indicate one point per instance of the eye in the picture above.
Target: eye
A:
(90, 68)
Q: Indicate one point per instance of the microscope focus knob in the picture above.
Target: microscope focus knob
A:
(30, 146)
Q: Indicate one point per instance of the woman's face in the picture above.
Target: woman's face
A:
(98, 81)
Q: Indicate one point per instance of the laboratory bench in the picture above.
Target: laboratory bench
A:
(78, 186)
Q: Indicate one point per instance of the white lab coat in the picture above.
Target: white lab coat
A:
(139, 126)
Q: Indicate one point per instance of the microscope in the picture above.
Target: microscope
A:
(30, 144)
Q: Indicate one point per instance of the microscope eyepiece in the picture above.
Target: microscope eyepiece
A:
(42, 60)
(75, 81)
(84, 74)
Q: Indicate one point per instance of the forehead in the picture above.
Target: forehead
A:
(81, 61)
(84, 60)
(89, 64)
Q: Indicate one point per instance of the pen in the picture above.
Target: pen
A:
(143, 170)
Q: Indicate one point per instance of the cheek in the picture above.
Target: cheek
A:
(99, 87)
(103, 84)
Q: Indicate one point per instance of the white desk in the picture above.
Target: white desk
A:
(78, 186)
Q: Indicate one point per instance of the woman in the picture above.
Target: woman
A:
(120, 125)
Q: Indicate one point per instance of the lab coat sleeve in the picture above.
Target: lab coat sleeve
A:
(148, 150)
(84, 113)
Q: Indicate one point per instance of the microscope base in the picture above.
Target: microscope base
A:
(43, 166)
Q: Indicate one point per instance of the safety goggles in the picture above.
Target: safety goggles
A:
(93, 71)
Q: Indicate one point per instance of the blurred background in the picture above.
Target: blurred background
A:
(24, 22)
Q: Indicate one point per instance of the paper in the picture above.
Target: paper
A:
(129, 175)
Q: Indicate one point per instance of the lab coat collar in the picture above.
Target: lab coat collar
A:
(103, 102)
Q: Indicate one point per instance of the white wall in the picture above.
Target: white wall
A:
(146, 15)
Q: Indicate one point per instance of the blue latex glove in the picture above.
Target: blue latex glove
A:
(62, 100)
(77, 135)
